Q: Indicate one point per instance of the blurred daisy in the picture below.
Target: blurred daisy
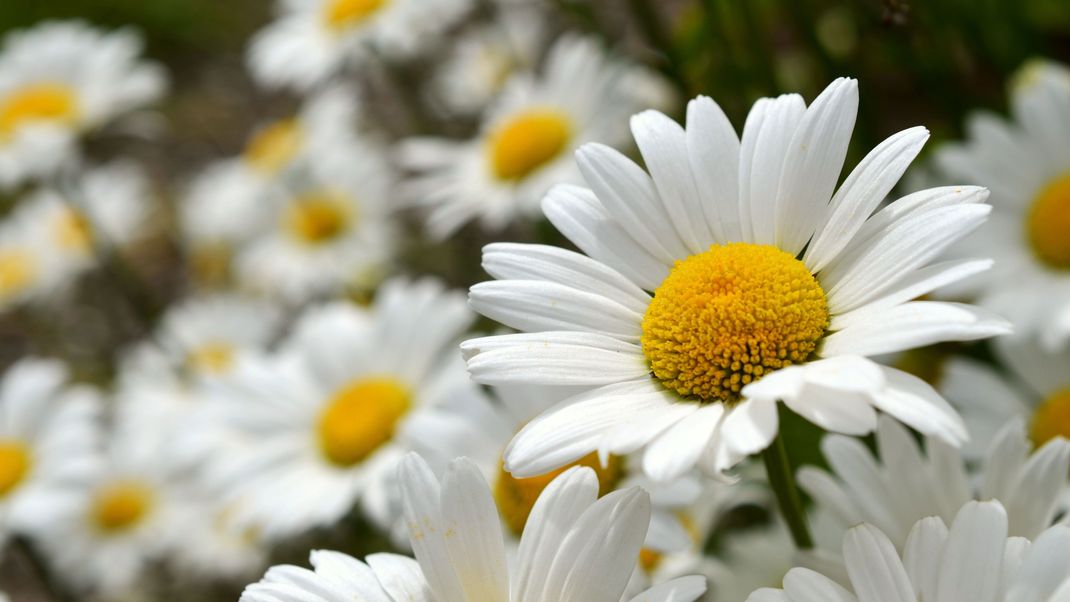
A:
(764, 290)
(47, 436)
(59, 80)
(321, 420)
(211, 545)
(311, 40)
(527, 138)
(973, 560)
(23, 276)
(576, 546)
(906, 485)
(339, 578)
(750, 559)
(1026, 164)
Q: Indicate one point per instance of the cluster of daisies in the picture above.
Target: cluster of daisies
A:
(601, 419)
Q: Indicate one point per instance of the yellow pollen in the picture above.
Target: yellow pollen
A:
(725, 317)
(1051, 419)
(649, 560)
(120, 506)
(516, 497)
(318, 218)
(1048, 224)
(39, 102)
(14, 464)
(274, 146)
(17, 271)
(341, 14)
(212, 358)
(360, 418)
(528, 141)
(73, 231)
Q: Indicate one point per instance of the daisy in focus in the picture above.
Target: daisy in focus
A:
(730, 277)
(1025, 162)
(59, 80)
(527, 137)
(311, 40)
(972, 559)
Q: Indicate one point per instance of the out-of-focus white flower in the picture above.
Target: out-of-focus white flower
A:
(1026, 165)
(59, 80)
(311, 40)
(527, 138)
(731, 277)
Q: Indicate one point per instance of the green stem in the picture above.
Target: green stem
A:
(782, 480)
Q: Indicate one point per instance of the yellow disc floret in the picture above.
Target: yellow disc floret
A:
(274, 146)
(1048, 225)
(14, 464)
(361, 417)
(17, 272)
(1051, 419)
(516, 497)
(40, 102)
(341, 14)
(121, 505)
(212, 358)
(318, 218)
(73, 231)
(723, 318)
(527, 141)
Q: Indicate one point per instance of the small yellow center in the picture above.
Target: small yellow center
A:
(210, 263)
(212, 358)
(1051, 419)
(120, 506)
(1048, 224)
(73, 231)
(14, 464)
(528, 141)
(39, 102)
(274, 146)
(360, 418)
(342, 14)
(318, 218)
(516, 497)
(725, 317)
(17, 271)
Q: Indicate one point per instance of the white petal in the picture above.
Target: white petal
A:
(681, 589)
(973, 554)
(750, 426)
(876, 572)
(474, 533)
(806, 585)
(915, 403)
(922, 553)
(677, 450)
(538, 306)
(713, 150)
(767, 135)
(553, 358)
(420, 496)
(401, 577)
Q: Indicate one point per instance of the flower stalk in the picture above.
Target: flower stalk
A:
(782, 481)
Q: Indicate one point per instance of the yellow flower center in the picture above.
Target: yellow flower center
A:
(17, 271)
(38, 102)
(318, 218)
(14, 464)
(274, 146)
(725, 317)
(516, 497)
(1048, 224)
(212, 358)
(73, 231)
(1051, 419)
(210, 263)
(341, 14)
(120, 506)
(528, 141)
(360, 418)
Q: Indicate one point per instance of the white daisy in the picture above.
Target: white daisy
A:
(47, 436)
(974, 559)
(1026, 164)
(340, 578)
(320, 420)
(728, 264)
(906, 485)
(209, 544)
(575, 546)
(59, 80)
(312, 40)
(23, 273)
(527, 138)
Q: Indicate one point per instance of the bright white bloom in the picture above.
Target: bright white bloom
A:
(1026, 165)
(341, 578)
(906, 485)
(47, 439)
(322, 421)
(732, 261)
(527, 138)
(973, 560)
(311, 40)
(59, 80)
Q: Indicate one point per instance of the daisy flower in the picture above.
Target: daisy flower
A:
(576, 546)
(59, 80)
(321, 420)
(311, 40)
(728, 279)
(527, 138)
(974, 559)
(906, 485)
(1026, 165)
(337, 577)
(47, 435)
(23, 275)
